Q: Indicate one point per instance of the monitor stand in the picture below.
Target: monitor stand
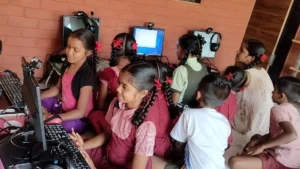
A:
(22, 145)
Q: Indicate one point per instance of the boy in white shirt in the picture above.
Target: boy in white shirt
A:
(203, 132)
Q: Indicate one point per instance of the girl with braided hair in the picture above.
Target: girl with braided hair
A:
(138, 121)
(124, 49)
(190, 72)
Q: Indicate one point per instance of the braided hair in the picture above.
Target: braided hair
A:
(192, 45)
(237, 77)
(144, 75)
(214, 90)
(255, 49)
(122, 45)
(166, 87)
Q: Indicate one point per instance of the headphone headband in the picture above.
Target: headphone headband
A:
(219, 39)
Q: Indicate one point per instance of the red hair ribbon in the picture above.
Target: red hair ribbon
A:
(243, 88)
(134, 46)
(118, 43)
(229, 76)
(168, 80)
(263, 58)
(157, 84)
(98, 46)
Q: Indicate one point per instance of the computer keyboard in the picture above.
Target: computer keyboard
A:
(12, 88)
(56, 132)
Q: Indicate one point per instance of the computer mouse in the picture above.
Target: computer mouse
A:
(53, 119)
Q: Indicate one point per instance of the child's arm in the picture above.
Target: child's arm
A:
(139, 161)
(52, 92)
(83, 101)
(178, 153)
(98, 141)
(288, 135)
(178, 84)
(102, 96)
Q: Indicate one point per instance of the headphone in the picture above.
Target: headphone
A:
(214, 47)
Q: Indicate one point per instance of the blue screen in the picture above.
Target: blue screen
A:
(150, 42)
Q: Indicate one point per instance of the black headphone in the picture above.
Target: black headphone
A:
(214, 47)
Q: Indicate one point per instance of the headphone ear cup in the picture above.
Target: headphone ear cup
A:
(214, 47)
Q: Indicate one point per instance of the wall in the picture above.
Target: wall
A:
(266, 22)
(33, 27)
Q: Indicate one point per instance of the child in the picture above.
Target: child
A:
(204, 130)
(139, 124)
(255, 103)
(187, 76)
(124, 49)
(280, 149)
(76, 84)
(228, 108)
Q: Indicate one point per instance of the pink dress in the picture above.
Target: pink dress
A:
(148, 139)
(228, 109)
(287, 154)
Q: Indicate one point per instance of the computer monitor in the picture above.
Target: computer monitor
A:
(73, 23)
(150, 42)
(31, 96)
(206, 52)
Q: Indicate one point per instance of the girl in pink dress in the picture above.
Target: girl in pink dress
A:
(124, 48)
(139, 122)
(76, 84)
(280, 148)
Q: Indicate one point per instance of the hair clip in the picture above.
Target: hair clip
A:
(134, 46)
(118, 43)
(243, 88)
(98, 46)
(157, 83)
(263, 58)
(168, 80)
(229, 76)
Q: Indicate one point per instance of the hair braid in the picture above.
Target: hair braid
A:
(141, 116)
(185, 57)
(139, 111)
(168, 94)
(255, 62)
(113, 58)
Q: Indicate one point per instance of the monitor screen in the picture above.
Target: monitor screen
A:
(150, 42)
(206, 52)
(73, 23)
(31, 95)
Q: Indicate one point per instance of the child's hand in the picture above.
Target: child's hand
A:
(77, 139)
(45, 113)
(250, 144)
(255, 150)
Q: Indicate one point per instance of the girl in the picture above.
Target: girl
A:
(139, 125)
(228, 108)
(190, 72)
(280, 149)
(124, 49)
(76, 84)
(255, 103)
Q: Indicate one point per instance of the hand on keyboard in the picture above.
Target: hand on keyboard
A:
(77, 139)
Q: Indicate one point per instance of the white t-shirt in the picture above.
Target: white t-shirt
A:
(206, 132)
